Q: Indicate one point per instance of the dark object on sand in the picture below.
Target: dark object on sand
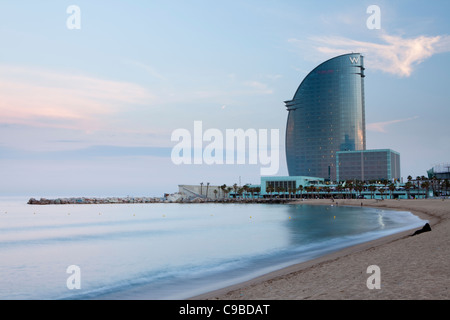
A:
(425, 228)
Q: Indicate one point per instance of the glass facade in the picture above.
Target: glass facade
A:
(287, 183)
(441, 171)
(325, 116)
(368, 165)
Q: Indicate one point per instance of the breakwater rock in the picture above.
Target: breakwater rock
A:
(166, 199)
(85, 200)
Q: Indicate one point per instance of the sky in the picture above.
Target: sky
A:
(90, 97)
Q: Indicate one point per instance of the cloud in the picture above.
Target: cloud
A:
(381, 126)
(148, 69)
(259, 87)
(394, 54)
(44, 98)
(274, 76)
(85, 153)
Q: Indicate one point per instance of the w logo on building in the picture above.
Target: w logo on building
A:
(354, 60)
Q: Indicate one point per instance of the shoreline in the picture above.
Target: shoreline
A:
(411, 267)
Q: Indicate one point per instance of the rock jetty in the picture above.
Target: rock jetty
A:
(84, 200)
(168, 198)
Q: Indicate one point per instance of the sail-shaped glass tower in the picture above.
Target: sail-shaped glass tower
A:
(326, 116)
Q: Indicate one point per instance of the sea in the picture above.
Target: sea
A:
(169, 251)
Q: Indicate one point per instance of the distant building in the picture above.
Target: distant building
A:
(287, 183)
(202, 191)
(368, 165)
(439, 172)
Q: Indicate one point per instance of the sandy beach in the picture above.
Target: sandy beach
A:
(411, 267)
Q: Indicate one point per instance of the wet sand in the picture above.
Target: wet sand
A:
(411, 267)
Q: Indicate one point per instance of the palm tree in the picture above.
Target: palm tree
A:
(307, 189)
(440, 183)
(246, 188)
(270, 189)
(207, 187)
(318, 189)
(425, 185)
(381, 189)
(292, 191)
(223, 187)
(392, 188)
(358, 189)
(313, 189)
(251, 190)
(350, 188)
(258, 191)
(385, 183)
(278, 190)
(235, 187)
(240, 191)
(229, 190)
(372, 189)
(300, 188)
(339, 189)
(327, 190)
(408, 186)
(446, 185)
(418, 182)
(435, 185)
(215, 193)
(282, 190)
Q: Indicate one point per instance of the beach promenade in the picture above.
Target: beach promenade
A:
(411, 267)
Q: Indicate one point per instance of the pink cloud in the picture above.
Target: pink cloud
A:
(44, 98)
(394, 54)
(381, 126)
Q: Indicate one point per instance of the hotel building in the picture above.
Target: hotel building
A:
(326, 116)
(326, 129)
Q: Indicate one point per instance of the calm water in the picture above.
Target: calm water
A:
(169, 251)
